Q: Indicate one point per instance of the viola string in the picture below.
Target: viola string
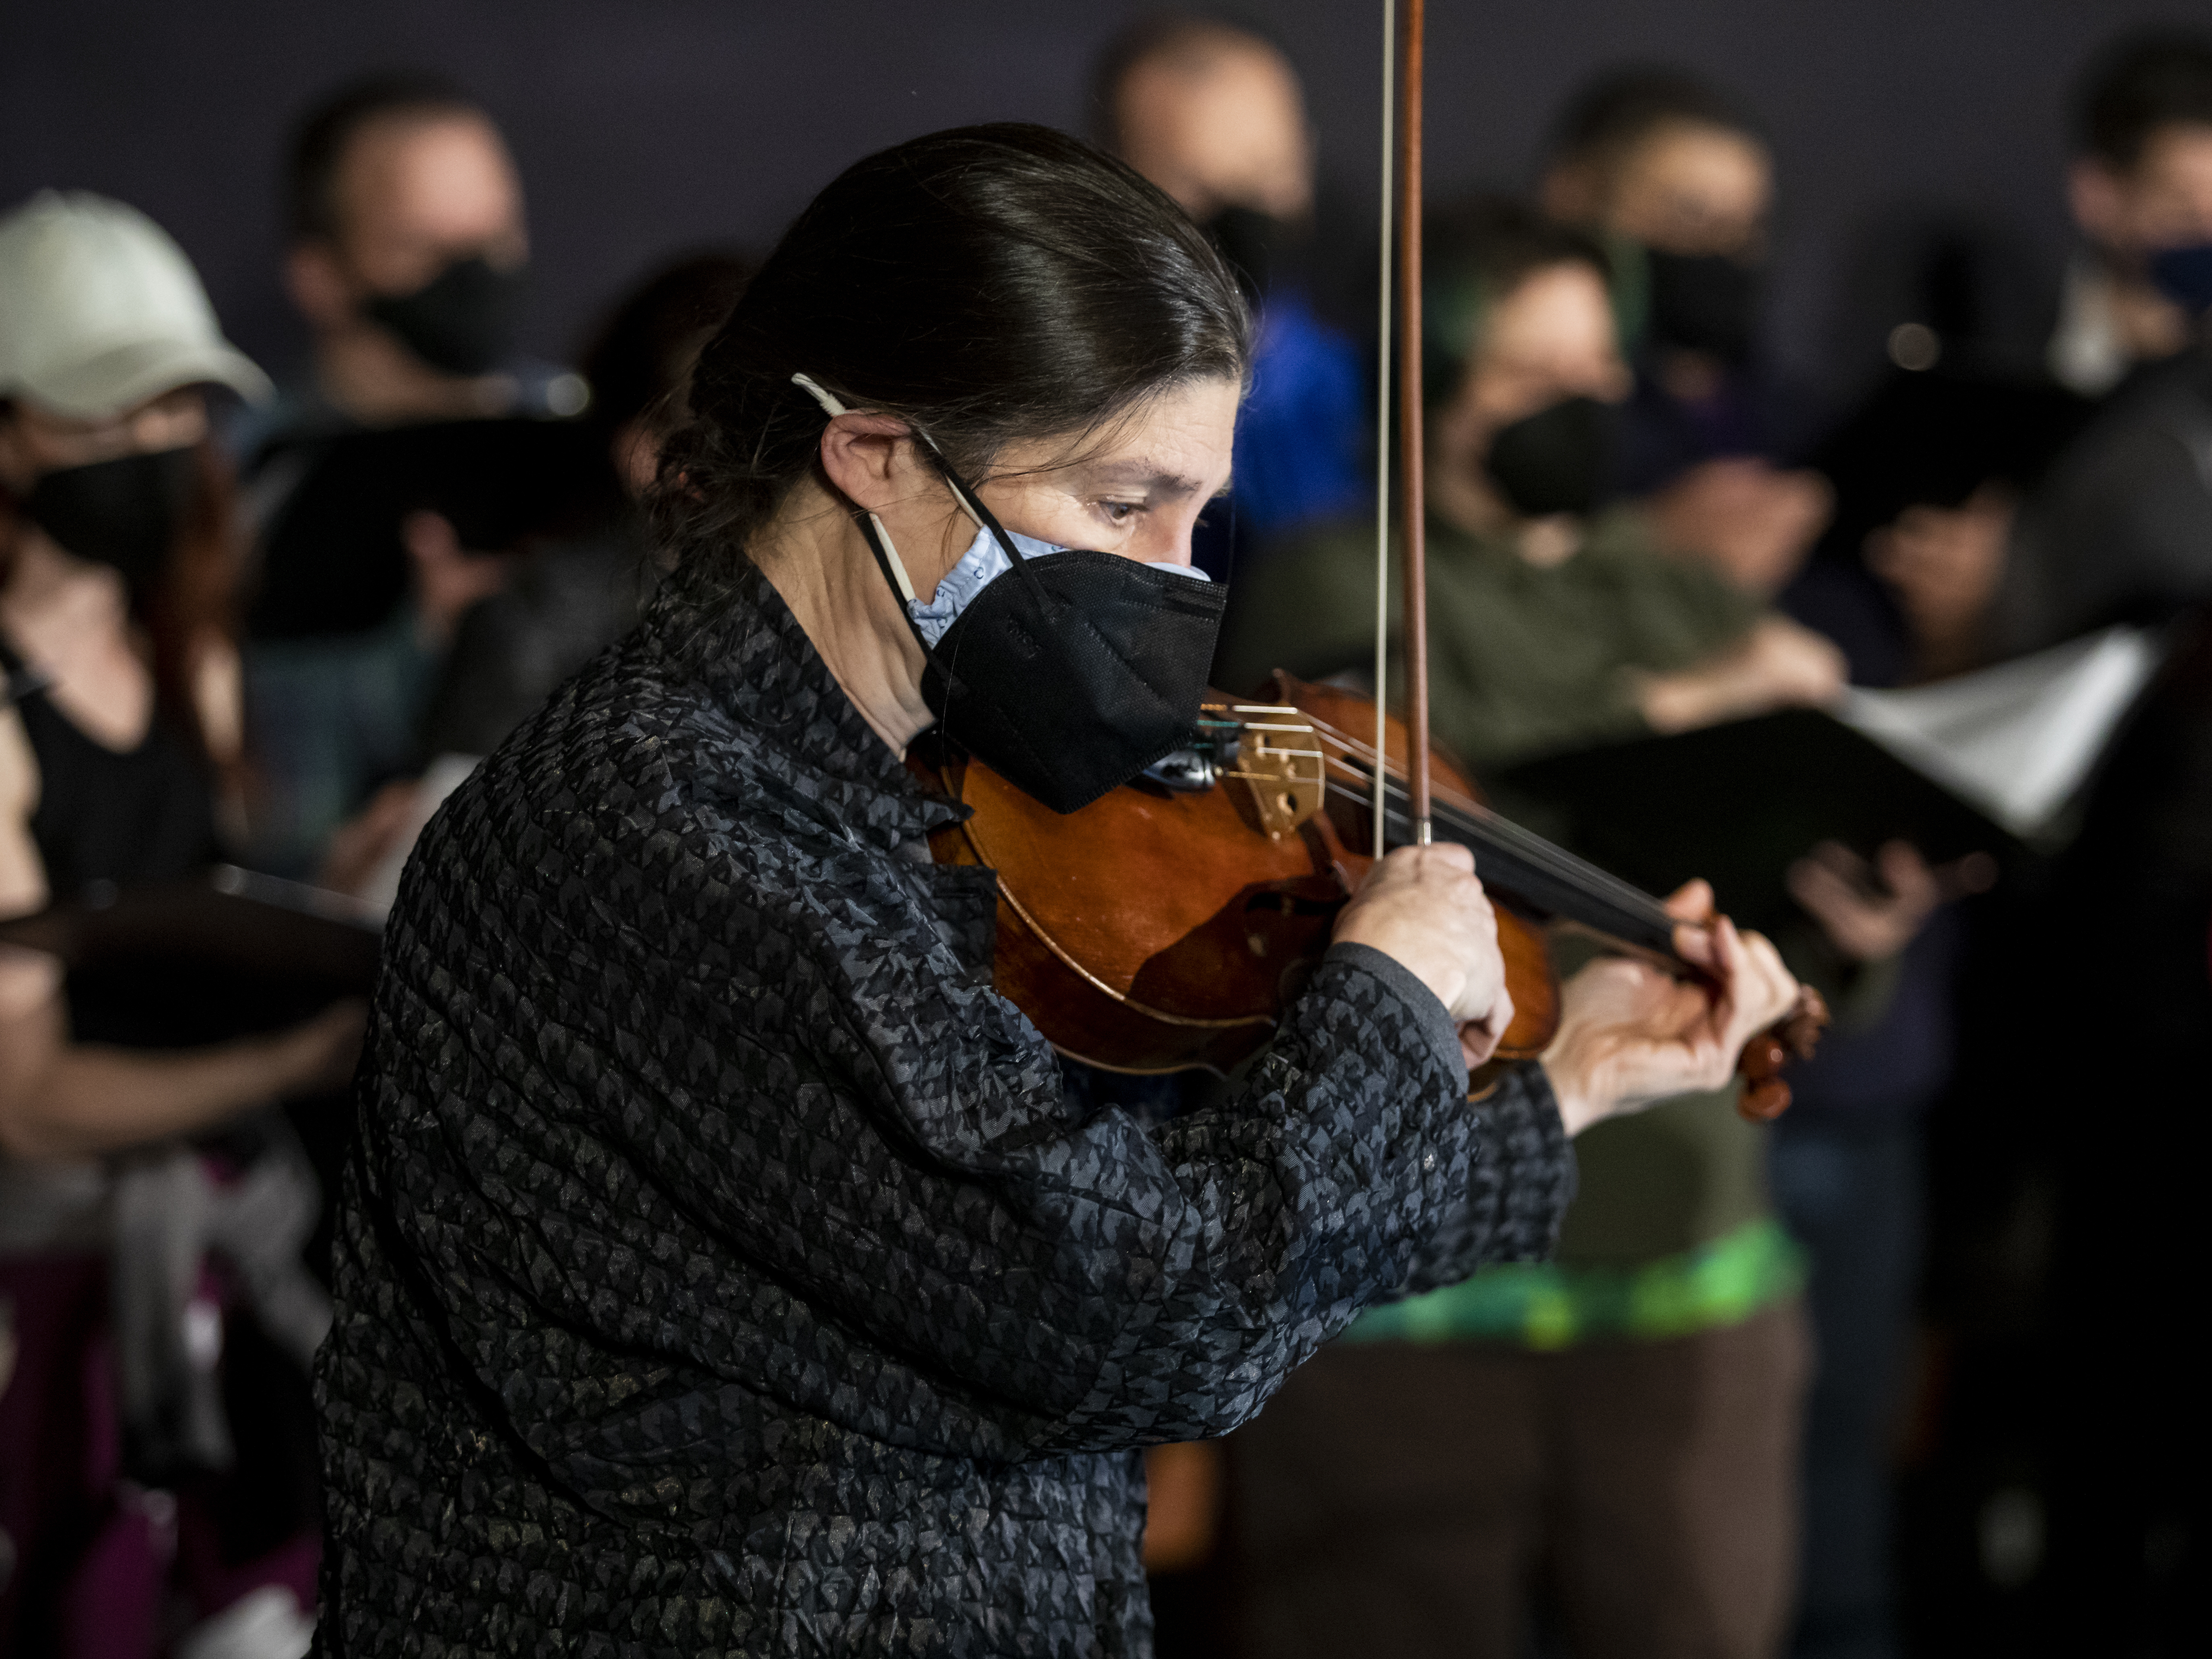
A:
(1576, 877)
(1472, 818)
(1483, 827)
(1646, 929)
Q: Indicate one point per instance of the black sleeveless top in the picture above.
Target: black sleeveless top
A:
(105, 816)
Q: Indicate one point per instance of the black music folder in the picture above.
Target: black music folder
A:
(1738, 803)
(216, 955)
(333, 561)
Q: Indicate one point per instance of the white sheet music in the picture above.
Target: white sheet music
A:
(2016, 740)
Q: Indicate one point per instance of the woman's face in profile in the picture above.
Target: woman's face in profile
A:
(1136, 489)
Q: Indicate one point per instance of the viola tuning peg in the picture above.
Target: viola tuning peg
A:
(1762, 1103)
(1763, 1056)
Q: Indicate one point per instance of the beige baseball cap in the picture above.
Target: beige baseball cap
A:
(99, 310)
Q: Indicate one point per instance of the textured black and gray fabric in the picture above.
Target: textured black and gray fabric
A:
(722, 1267)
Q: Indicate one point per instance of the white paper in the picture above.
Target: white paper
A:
(2018, 740)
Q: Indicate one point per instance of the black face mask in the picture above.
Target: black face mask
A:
(1072, 672)
(1557, 460)
(462, 320)
(124, 513)
(1704, 302)
(1252, 243)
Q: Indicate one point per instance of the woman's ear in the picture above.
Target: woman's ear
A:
(865, 455)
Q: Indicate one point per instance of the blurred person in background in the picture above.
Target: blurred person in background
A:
(1212, 113)
(1928, 448)
(1557, 620)
(2121, 529)
(2106, 522)
(1211, 110)
(569, 600)
(1612, 1439)
(408, 256)
(568, 595)
(130, 1497)
(1676, 182)
(2140, 192)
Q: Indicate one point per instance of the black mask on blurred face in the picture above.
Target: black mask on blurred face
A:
(1251, 242)
(2183, 274)
(462, 320)
(1705, 302)
(1557, 460)
(125, 512)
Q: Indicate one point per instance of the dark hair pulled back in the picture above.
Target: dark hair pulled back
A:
(990, 284)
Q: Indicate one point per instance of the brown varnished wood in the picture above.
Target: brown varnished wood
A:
(1157, 931)
(1530, 975)
(1179, 949)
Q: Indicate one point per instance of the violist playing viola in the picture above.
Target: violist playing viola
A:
(721, 1257)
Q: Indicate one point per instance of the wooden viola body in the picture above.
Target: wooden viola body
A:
(1159, 929)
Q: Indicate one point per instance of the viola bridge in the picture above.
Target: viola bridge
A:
(1280, 766)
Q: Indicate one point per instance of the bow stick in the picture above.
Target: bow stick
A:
(1401, 137)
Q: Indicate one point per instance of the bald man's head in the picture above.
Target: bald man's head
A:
(1212, 114)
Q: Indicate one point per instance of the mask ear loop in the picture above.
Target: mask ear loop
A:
(879, 542)
(887, 559)
(984, 519)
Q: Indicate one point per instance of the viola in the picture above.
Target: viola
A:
(1167, 925)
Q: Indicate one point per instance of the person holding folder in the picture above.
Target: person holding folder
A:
(121, 713)
(1629, 1415)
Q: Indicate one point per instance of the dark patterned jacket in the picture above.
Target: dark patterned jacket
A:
(722, 1267)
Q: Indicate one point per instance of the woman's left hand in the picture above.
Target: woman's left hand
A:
(1631, 1035)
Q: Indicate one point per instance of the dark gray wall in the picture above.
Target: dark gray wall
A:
(646, 126)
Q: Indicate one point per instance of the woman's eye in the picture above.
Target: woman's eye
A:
(1119, 511)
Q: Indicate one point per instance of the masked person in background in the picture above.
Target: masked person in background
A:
(1677, 184)
(409, 258)
(1556, 621)
(2121, 527)
(571, 595)
(2141, 190)
(1214, 114)
(125, 1486)
(1615, 1437)
(409, 254)
(2120, 531)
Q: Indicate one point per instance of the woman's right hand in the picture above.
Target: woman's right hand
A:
(1423, 908)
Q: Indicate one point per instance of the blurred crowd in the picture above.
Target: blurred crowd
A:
(1903, 1371)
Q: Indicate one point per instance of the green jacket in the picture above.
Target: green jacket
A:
(1523, 660)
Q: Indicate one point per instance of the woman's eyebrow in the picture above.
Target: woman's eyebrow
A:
(1155, 480)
